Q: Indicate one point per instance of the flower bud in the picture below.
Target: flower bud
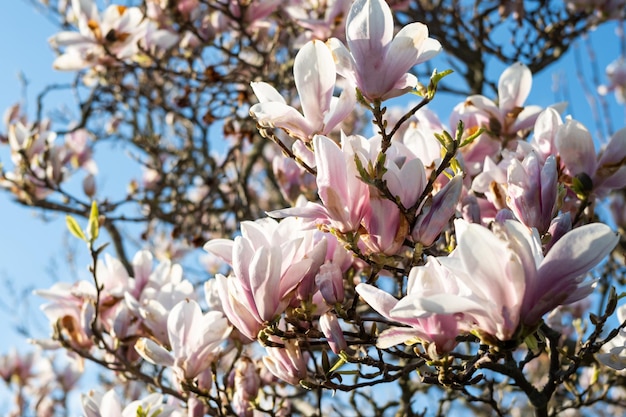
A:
(329, 324)
(329, 279)
(434, 219)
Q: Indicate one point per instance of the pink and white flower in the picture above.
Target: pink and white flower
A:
(376, 61)
(315, 77)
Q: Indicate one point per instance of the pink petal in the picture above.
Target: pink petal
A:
(314, 74)
(378, 299)
(514, 86)
(369, 30)
(575, 146)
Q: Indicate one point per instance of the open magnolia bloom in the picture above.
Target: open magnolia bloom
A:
(495, 284)
(194, 338)
(376, 61)
(100, 39)
(315, 77)
(270, 260)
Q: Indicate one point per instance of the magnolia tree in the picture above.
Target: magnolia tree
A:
(360, 256)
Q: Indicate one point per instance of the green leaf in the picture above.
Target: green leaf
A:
(434, 81)
(531, 342)
(93, 226)
(74, 228)
(340, 362)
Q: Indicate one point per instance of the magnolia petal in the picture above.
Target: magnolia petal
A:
(514, 86)
(70, 62)
(576, 253)
(419, 307)
(153, 353)
(182, 325)
(340, 109)
(575, 146)
(222, 248)
(615, 151)
(394, 336)
(546, 126)
(369, 30)
(265, 280)
(331, 172)
(406, 49)
(266, 93)
(63, 39)
(314, 74)
(378, 299)
(526, 118)
(344, 62)
(110, 406)
(429, 49)
(615, 359)
(275, 114)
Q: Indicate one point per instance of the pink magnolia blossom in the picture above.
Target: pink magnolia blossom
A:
(288, 363)
(344, 196)
(532, 190)
(509, 115)
(329, 324)
(270, 260)
(194, 339)
(435, 216)
(315, 77)
(503, 121)
(606, 171)
(438, 329)
(493, 283)
(376, 61)
(71, 308)
(616, 73)
(245, 382)
(155, 292)
(115, 33)
(329, 280)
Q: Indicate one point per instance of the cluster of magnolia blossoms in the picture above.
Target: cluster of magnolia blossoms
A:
(486, 228)
(40, 163)
(527, 199)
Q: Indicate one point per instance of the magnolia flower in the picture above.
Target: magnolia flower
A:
(438, 329)
(344, 196)
(376, 61)
(616, 73)
(606, 171)
(329, 325)
(270, 261)
(95, 404)
(154, 292)
(532, 190)
(194, 338)
(494, 283)
(502, 121)
(115, 33)
(509, 115)
(437, 214)
(245, 382)
(315, 77)
(288, 363)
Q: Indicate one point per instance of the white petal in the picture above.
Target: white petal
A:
(514, 86)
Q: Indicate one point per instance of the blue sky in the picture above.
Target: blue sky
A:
(30, 248)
